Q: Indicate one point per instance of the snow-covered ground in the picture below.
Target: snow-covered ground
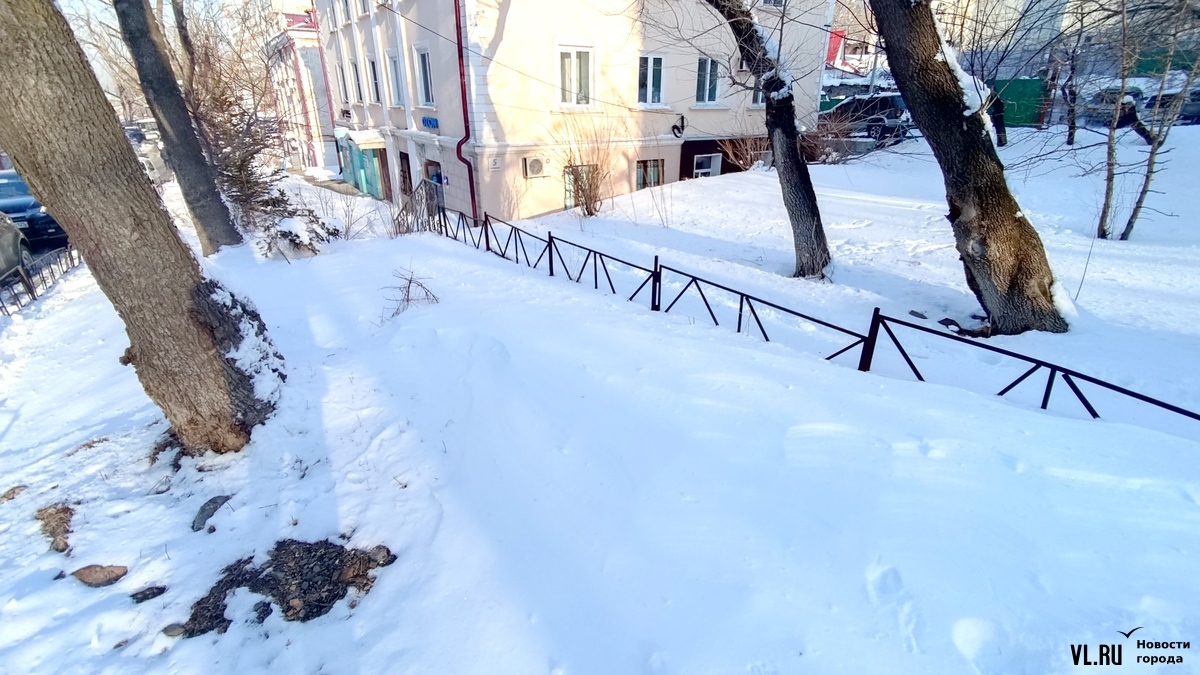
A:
(574, 484)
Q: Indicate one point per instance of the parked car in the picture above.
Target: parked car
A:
(26, 212)
(135, 134)
(879, 116)
(14, 248)
(1098, 108)
(151, 171)
(1189, 110)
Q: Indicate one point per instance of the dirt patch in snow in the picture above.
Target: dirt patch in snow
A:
(12, 492)
(304, 579)
(56, 524)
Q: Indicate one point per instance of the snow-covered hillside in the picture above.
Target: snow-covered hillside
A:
(574, 484)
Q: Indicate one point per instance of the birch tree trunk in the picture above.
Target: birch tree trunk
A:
(68, 145)
(181, 147)
(1002, 255)
(808, 234)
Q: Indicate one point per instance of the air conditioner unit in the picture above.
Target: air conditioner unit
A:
(535, 167)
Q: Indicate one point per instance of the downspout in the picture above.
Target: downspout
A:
(462, 76)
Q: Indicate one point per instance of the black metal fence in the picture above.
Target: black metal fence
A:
(517, 243)
(24, 284)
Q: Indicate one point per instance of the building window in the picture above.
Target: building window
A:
(707, 73)
(358, 92)
(406, 184)
(346, 10)
(575, 76)
(365, 5)
(578, 183)
(342, 84)
(394, 63)
(772, 3)
(426, 72)
(650, 79)
(706, 165)
(649, 173)
(758, 97)
(375, 93)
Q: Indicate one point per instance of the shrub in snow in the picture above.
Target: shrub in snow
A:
(411, 291)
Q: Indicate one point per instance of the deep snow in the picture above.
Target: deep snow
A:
(574, 484)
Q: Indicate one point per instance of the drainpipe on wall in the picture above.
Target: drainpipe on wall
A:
(462, 76)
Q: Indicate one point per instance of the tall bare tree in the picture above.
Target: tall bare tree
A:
(183, 328)
(758, 49)
(1002, 255)
(181, 147)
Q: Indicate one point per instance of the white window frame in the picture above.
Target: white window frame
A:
(778, 4)
(346, 11)
(394, 71)
(714, 168)
(358, 88)
(649, 60)
(424, 63)
(758, 96)
(708, 94)
(637, 169)
(365, 7)
(344, 88)
(571, 90)
(376, 89)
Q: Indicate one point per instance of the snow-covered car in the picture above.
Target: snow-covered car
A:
(879, 116)
(1189, 110)
(14, 247)
(26, 211)
(1098, 108)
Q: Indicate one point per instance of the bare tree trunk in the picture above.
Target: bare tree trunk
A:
(808, 235)
(181, 148)
(1071, 96)
(1002, 255)
(181, 326)
(189, 50)
(997, 114)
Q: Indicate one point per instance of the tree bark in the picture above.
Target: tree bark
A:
(997, 114)
(1002, 255)
(181, 148)
(808, 234)
(181, 326)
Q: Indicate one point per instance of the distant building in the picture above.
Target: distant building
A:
(541, 85)
(302, 97)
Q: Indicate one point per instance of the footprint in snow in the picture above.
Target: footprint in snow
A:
(892, 601)
(852, 225)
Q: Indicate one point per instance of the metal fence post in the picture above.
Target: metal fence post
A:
(868, 347)
(487, 237)
(550, 250)
(656, 287)
(27, 282)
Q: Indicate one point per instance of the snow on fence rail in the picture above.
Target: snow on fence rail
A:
(517, 242)
(24, 284)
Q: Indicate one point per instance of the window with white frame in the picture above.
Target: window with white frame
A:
(575, 75)
(346, 10)
(772, 3)
(358, 90)
(758, 96)
(376, 94)
(649, 173)
(708, 72)
(364, 6)
(394, 67)
(578, 180)
(342, 84)
(425, 73)
(706, 165)
(650, 70)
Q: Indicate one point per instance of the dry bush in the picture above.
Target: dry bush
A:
(411, 292)
(56, 524)
(587, 151)
(745, 151)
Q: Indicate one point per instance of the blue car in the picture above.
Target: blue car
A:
(26, 212)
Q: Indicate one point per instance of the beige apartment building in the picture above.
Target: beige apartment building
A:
(496, 100)
(296, 65)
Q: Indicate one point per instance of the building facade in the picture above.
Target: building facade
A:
(507, 104)
(296, 64)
